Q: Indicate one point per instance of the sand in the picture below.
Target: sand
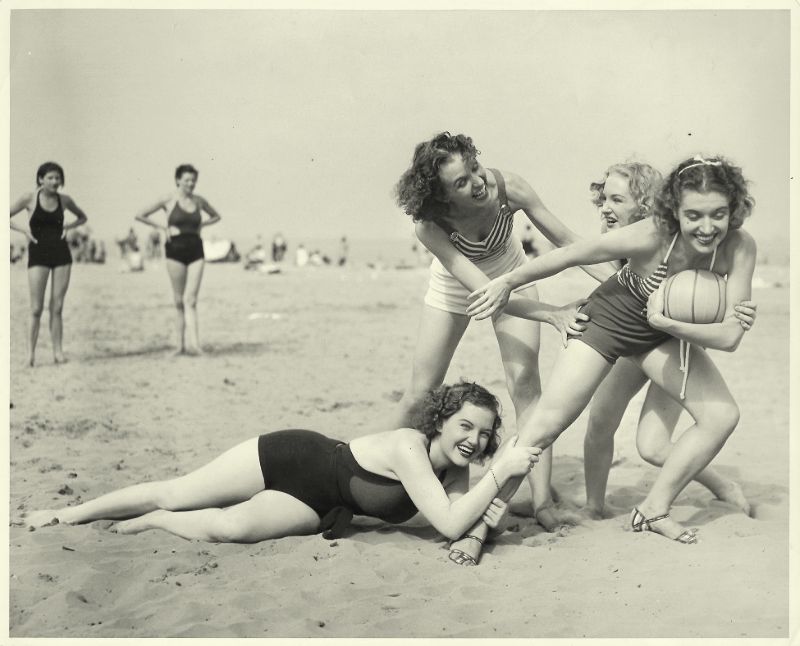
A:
(330, 349)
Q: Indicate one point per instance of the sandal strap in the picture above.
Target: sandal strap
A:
(473, 537)
(655, 519)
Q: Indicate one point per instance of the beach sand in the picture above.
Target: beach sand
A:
(330, 349)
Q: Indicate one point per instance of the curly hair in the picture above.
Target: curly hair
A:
(185, 168)
(643, 183)
(445, 401)
(703, 175)
(419, 191)
(49, 167)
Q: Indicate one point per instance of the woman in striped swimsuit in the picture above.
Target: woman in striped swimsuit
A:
(464, 215)
(699, 211)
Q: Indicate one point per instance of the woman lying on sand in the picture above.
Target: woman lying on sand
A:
(697, 223)
(296, 482)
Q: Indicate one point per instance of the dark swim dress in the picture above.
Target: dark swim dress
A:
(47, 227)
(322, 473)
(187, 246)
(617, 311)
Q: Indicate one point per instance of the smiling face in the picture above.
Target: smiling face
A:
(465, 434)
(51, 181)
(463, 182)
(704, 219)
(616, 204)
(186, 182)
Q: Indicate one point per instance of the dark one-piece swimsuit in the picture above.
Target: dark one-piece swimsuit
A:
(322, 473)
(47, 227)
(187, 246)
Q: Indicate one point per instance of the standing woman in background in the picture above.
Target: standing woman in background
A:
(48, 251)
(184, 250)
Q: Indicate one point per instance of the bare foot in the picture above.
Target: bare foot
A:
(43, 518)
(59, 358)
(194, 351)
(593, 513)
(732, 493)
(556, 520)
(178, 352)
(136, 525)
(466, 550)
(662, 524)
(31, 361)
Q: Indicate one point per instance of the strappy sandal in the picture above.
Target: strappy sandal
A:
(641, 524)
(459, 557)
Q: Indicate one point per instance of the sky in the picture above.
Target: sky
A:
(303, 121)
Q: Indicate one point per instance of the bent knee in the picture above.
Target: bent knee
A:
(601, 426)
(168, 495)
(652, 453)
(723, 419)
(228, 528)
(525, 384)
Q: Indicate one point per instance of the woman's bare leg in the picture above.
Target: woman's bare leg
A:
(37, 284)
(659, 417)
(268, 514)
(578, 371)
(716, 415)
(194, 276)
(233, 477)
(439, 335)
(605, 414)
(58, 291)
(178, 273)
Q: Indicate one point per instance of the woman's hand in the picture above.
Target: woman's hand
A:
(490, 298)
(495, 513)
(746, 313)
(170, 231)
(655, 308)
(30, 237)
(515, 460)
(568, 320)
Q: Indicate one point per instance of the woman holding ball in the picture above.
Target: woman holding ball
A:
(699, 212)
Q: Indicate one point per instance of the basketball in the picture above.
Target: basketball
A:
(695, 296)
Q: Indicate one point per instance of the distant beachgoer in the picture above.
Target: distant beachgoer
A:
(698, 215)
(301, 256)
(278, 248)
(256, 256)
(344, 251)
(297, 482)
(154, 244)
(184, 250)
(464, 215)
(48, 251)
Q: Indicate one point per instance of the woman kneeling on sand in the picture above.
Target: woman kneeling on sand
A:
(296, 482)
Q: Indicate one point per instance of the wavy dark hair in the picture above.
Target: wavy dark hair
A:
(643, 183)
(185, 168)
(419, 192)
(703, 175)
(49, 167)
(445, 401)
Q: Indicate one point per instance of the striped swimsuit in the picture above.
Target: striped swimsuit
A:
(617, 310)
(497, 254)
